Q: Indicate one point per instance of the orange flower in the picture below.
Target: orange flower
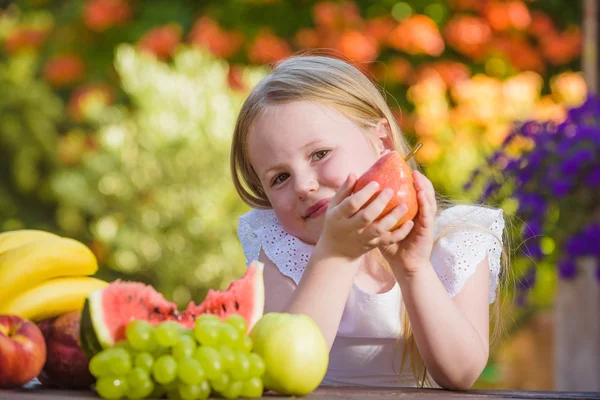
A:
(24, 38)
(358, 47)
(100, 15)
(336, 16)
(268, 48)
(504, 16)
(161, 41)
(417, 34)
(64, 70)
(380, 28)
(562, 48)
(468, 35)
(521, 54)
(208, 33)
(541, 25)
(451, 72)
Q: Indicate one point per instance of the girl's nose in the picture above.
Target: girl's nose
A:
(305, 187)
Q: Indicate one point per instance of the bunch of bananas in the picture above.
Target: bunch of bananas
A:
(43, 275)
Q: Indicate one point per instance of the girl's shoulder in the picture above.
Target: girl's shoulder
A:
(465, 235)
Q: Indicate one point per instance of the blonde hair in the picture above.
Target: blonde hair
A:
(338, 84)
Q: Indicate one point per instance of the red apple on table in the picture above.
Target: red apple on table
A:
(22, 351)
(392, 171)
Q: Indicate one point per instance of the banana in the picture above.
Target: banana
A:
(52, 298)
(30, 264)
(12, 239)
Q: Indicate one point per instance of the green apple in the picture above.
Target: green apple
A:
(294, 350)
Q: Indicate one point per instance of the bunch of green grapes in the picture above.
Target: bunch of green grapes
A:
(166, 359)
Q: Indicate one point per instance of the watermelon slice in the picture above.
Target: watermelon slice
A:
(107, 311)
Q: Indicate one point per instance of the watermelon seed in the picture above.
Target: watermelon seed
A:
(224, 309)
(237, 305)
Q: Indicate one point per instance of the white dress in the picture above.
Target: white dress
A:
(366, 351)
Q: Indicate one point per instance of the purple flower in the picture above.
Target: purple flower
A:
(567, 269)
(593, 178)
(561, 188)
(533, 250)
(532, 230)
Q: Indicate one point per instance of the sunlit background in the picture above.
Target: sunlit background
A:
(116, 118)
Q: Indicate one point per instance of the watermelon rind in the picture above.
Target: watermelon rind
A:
(87, 335)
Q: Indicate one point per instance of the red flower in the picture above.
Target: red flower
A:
(268, 48)
(85, 100)
(64, 70)
(24, 38)
(208, 34)
(100, 15)
(161, 41)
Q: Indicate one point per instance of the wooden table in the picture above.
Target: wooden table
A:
(330, 393)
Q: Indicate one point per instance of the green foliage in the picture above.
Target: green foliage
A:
(156, 192)
(30, 114)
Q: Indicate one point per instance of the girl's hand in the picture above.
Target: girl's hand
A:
(409, 255)
(351, 230)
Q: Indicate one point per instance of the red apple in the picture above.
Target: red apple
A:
(391, 171)
(22, 351)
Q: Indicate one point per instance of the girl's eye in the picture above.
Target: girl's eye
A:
(319, 155)
(279, 178)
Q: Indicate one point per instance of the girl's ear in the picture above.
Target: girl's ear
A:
(384, 137)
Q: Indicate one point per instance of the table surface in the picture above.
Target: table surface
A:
(331, 393)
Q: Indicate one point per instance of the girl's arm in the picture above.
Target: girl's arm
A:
(323, 290)
(452, 334)
(349, 232)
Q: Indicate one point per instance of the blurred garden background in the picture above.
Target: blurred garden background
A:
(116, 118)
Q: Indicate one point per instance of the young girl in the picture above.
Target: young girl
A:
(303, 137)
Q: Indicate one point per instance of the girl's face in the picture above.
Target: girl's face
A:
(303, 152)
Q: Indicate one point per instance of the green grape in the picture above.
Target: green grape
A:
(158, 392)
(227, 357)
(172, 386)
(234, 390)
(167, 333)
(253, 388)
(257, 365)
(174, 395)
(164, 369)
(207, 333)
(139, 384)
(120, 361)
(140, 335)
(144, 360)
(238, 322)
(185, 347)
(125, 345)
(229, 336)
(221, 382)
(111, 388)
(246, 344)
(190, 371)
(208, 318)
(241, 369)
(197, 391)
(210, 359)
(100, 364)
